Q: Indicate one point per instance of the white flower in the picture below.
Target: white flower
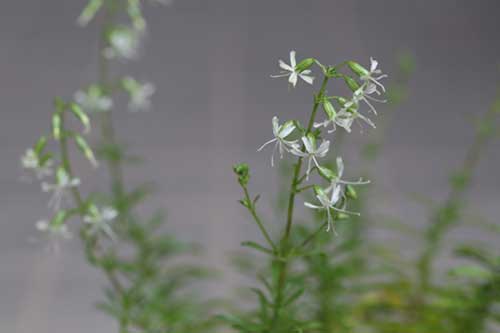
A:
(99, 220)
(60, 189)
(363, 94)
(312, 152)
(371, 76)
(93, 100)
(327, 203)
(31, 161)
(348, 114)
(280, 133)
(124, 44)
(140, 98)
(337, 179)
(292, 72)
(54, 232)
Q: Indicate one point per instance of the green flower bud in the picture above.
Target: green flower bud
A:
(40, 145)
(350, 192)
(62, 176)
(135, 14)
(342, 216)
(59, 219)
(304, 64)
(318, 190)
(85, 149)
(329, 109)
(243, 172)
(351, 83)
(89, 12)
(357, 68)
(56, 126)
(81, 116)
(327, 173)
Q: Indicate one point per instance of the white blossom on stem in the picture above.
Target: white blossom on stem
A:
(99, 221)
(293, 72)
(60, 188)
(281, 132)
(31, 161)
(311, 151)
(327, 203)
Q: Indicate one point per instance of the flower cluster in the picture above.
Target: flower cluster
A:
(308, 144)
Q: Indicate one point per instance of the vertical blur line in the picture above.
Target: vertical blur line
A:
(227, 100)
(35, 305)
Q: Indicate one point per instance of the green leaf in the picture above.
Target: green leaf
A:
(293, 297)
(257, 247)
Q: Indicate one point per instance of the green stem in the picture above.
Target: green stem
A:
(251, 208)
(291, 205)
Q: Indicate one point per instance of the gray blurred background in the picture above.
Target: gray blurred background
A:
(210, 61)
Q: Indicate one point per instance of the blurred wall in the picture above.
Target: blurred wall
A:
(211, 61)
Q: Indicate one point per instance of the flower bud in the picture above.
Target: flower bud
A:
(56, 126)
(357, 68)
(350, 192)
(40, 145)
(81, 116)
(342, 216)
(243, 172)
(304, 64)
(351, 83)
(59, 219)
(327, 173)
(89, 12)
(329, 109)
(85, 149)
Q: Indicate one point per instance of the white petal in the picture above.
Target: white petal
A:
(293, 79)
(308, 79)
(293, 62)
(323, 148)
(276, 126)
(340, 167)
(285, 66)
(373, 64)
(310, 205)
(286, 129)
(308, 144)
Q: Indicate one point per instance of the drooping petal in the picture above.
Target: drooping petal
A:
(286, 129)
(308, 79)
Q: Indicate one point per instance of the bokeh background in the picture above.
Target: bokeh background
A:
(211, 61)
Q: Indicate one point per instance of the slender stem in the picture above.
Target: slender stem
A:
(313, 235)
(108, 132)
(251, 208)
(291, 205)
(78, 198)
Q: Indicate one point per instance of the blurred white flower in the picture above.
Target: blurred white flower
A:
(280, 133)
(31, 161)
(124, 44)
(292, 72)
(55, 233)
(99, 221)
(312, 151)
(60, 189)
(93, 100)
(140, 94)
